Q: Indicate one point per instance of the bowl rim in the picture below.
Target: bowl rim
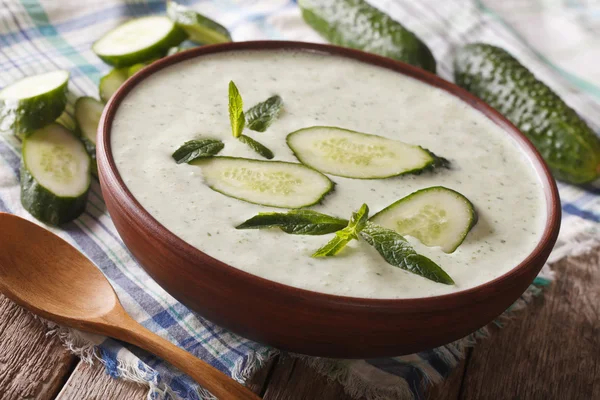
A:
(110, 172)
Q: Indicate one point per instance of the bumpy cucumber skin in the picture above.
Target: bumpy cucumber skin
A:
(358, 25)
(158, 50)
(565, 141)
(27, 115)
(46, 206)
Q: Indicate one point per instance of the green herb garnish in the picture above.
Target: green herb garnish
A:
(257, 146)
(262, 115)
(344, 236)
(236, 110)
(194, 149)
(238, 121)
(296, 222)
(398, 252)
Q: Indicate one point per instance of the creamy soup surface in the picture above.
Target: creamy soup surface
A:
(189, 100)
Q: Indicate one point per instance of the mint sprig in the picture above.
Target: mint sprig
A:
(296, 222)
(236, 110)
(194, 149)
(260, 116)
(237, 119)
(394, 248)
(344, 236)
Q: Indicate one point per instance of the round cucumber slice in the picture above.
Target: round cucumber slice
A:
(138, 40)
(352, 154)
(437, 216)
(269, 183)
(55, 175)
(200, 29)
(110, 82)
(33, 102)
(87, 114)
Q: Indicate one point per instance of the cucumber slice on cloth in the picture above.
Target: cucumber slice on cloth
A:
(87, 114)
(437, 216)
(55, 175)
(358, 25)
(270, 183)
(352, 154)
(138, 40)
(200, 29)
(110, 82)
(33, 102)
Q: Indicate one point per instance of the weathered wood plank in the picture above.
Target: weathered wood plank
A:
(293, 380)
(259, 382)
(90, 382)
(33, 366)
(449, 389)
(553, 351)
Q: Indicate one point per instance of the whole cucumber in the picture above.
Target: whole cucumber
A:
(569, 146)
(358, 25)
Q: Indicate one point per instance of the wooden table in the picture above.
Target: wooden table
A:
(551, 352)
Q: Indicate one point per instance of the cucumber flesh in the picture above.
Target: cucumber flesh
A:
(357, 24)
(269, 183)
(55, 175)
(352, 154)
(112, 81)
(200, 29)
(138, 40)
(87, 114)
(33, 102)
(437, 216)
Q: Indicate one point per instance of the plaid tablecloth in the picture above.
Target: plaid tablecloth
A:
(38, 36)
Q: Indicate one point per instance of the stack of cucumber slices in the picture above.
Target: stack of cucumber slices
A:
(59, 148)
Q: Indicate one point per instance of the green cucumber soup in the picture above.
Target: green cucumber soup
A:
(189, 101)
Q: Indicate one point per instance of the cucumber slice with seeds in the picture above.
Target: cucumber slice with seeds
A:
(200, 29)
(352, 154)
(55, 175)
(138, 40)
(87, 114)
(437, 216)
(269, 183)
(33, 102)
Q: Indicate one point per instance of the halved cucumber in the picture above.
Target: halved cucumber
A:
(270, 183)
(352, 154)
(55, 175)
(437, 216)
(138, 40)
(110, 82)
(33, 102)
(87, 114)
(200, 29)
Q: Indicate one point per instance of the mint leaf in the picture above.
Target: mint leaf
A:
(257, 146)
(236, 110)
(195, 149)
(296, 222)
(262, 115)
(398, 252)
(344, 236)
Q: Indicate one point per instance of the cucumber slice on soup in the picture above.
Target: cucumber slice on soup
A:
(55, 175)
(270, 183)
(437, 216)
(352, 154)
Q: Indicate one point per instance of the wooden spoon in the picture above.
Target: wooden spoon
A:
(49, 277)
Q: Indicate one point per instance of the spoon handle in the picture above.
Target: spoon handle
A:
(216, 382)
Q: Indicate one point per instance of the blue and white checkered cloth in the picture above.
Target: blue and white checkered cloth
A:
(38, 36)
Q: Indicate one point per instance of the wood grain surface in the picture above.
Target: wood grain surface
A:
(551, 352)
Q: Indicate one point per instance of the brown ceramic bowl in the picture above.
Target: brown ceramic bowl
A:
(300, 320)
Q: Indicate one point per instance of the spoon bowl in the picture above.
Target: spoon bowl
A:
(49, 277)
